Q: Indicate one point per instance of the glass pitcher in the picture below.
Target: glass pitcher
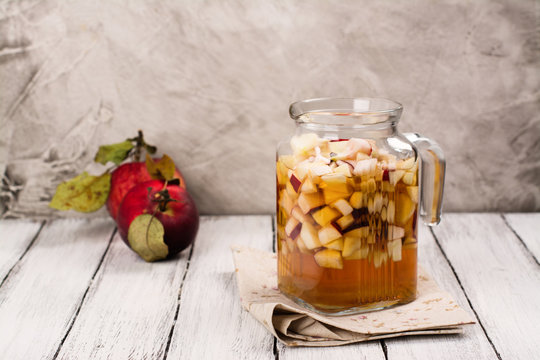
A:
(350, 189)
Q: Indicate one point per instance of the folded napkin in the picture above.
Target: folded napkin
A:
(433, 312)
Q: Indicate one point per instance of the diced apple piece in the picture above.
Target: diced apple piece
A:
(291, 224)
(361, 156)
(390, 211)
(309, 201)
(395, 176)
(412, 191)
(335, 182)
(370, 205)
(383, 213)
(394, 249)
(297, 213)
(395, 232)
(371, 185)
(405, 208)
(281, 171)
(343, 206)
(328, 233)
(343, 169)
(320, 170)
(332, 196)
(356, 200)
(387, 187)
(377, 202)
(358, 254)
(345, 221)
(290, 190)
(285, 201)
(350, 245)
(329, 258)
(309, 236)
(365, 167)
(337, 147)
(308, 187)
(325, 215)
(292, 228)
(295, 182)
(302, 169)
(287, 160)
(409, 178)
(336, 244)
(305, 143)
(356, 145)
(405, 164)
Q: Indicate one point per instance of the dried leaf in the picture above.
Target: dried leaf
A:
(162, 169)
(84, 193)
(115, 153)
(145, 236)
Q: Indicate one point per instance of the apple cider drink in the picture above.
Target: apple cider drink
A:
(346, 224)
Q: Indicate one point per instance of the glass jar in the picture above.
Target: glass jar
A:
(350, 189)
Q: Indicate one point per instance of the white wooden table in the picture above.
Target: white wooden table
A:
(70, 289)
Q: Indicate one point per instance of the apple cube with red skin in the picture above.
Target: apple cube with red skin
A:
(124, 178)
(180, 219)
(292, 228)
(295, 182)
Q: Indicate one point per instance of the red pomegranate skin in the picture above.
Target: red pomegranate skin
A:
(126, 176)
(180, 219)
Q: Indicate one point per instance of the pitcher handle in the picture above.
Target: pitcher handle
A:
(432, 177)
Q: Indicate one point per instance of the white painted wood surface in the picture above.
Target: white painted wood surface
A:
(15, 237)
(211, 322)
(129, 310)
(527, 227)
(472, 344)
(40, 297)
(51, 308)
(500, 278)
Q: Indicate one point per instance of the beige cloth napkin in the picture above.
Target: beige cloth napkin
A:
(433, 312)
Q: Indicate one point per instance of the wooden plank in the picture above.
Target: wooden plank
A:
(15, 237)
(129, 310)
(500, 278)
(42, 294)
(527, 227)
(367, 350)
(211, 322)
(472, 344)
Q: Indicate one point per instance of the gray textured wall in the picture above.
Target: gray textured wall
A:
(210, 83)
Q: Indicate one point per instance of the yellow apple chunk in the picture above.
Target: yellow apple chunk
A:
(325, 215)
(329, 258)
(309, 236)
(328, 233)
(310, 201)
(336, 244)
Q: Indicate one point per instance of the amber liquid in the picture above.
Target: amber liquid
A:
(374, 281)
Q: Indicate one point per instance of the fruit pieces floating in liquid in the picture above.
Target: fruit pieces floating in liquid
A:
(346, 212)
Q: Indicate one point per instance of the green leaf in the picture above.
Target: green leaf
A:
(145, 236)
(84, 193)
(115, 153)
(161, 169)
